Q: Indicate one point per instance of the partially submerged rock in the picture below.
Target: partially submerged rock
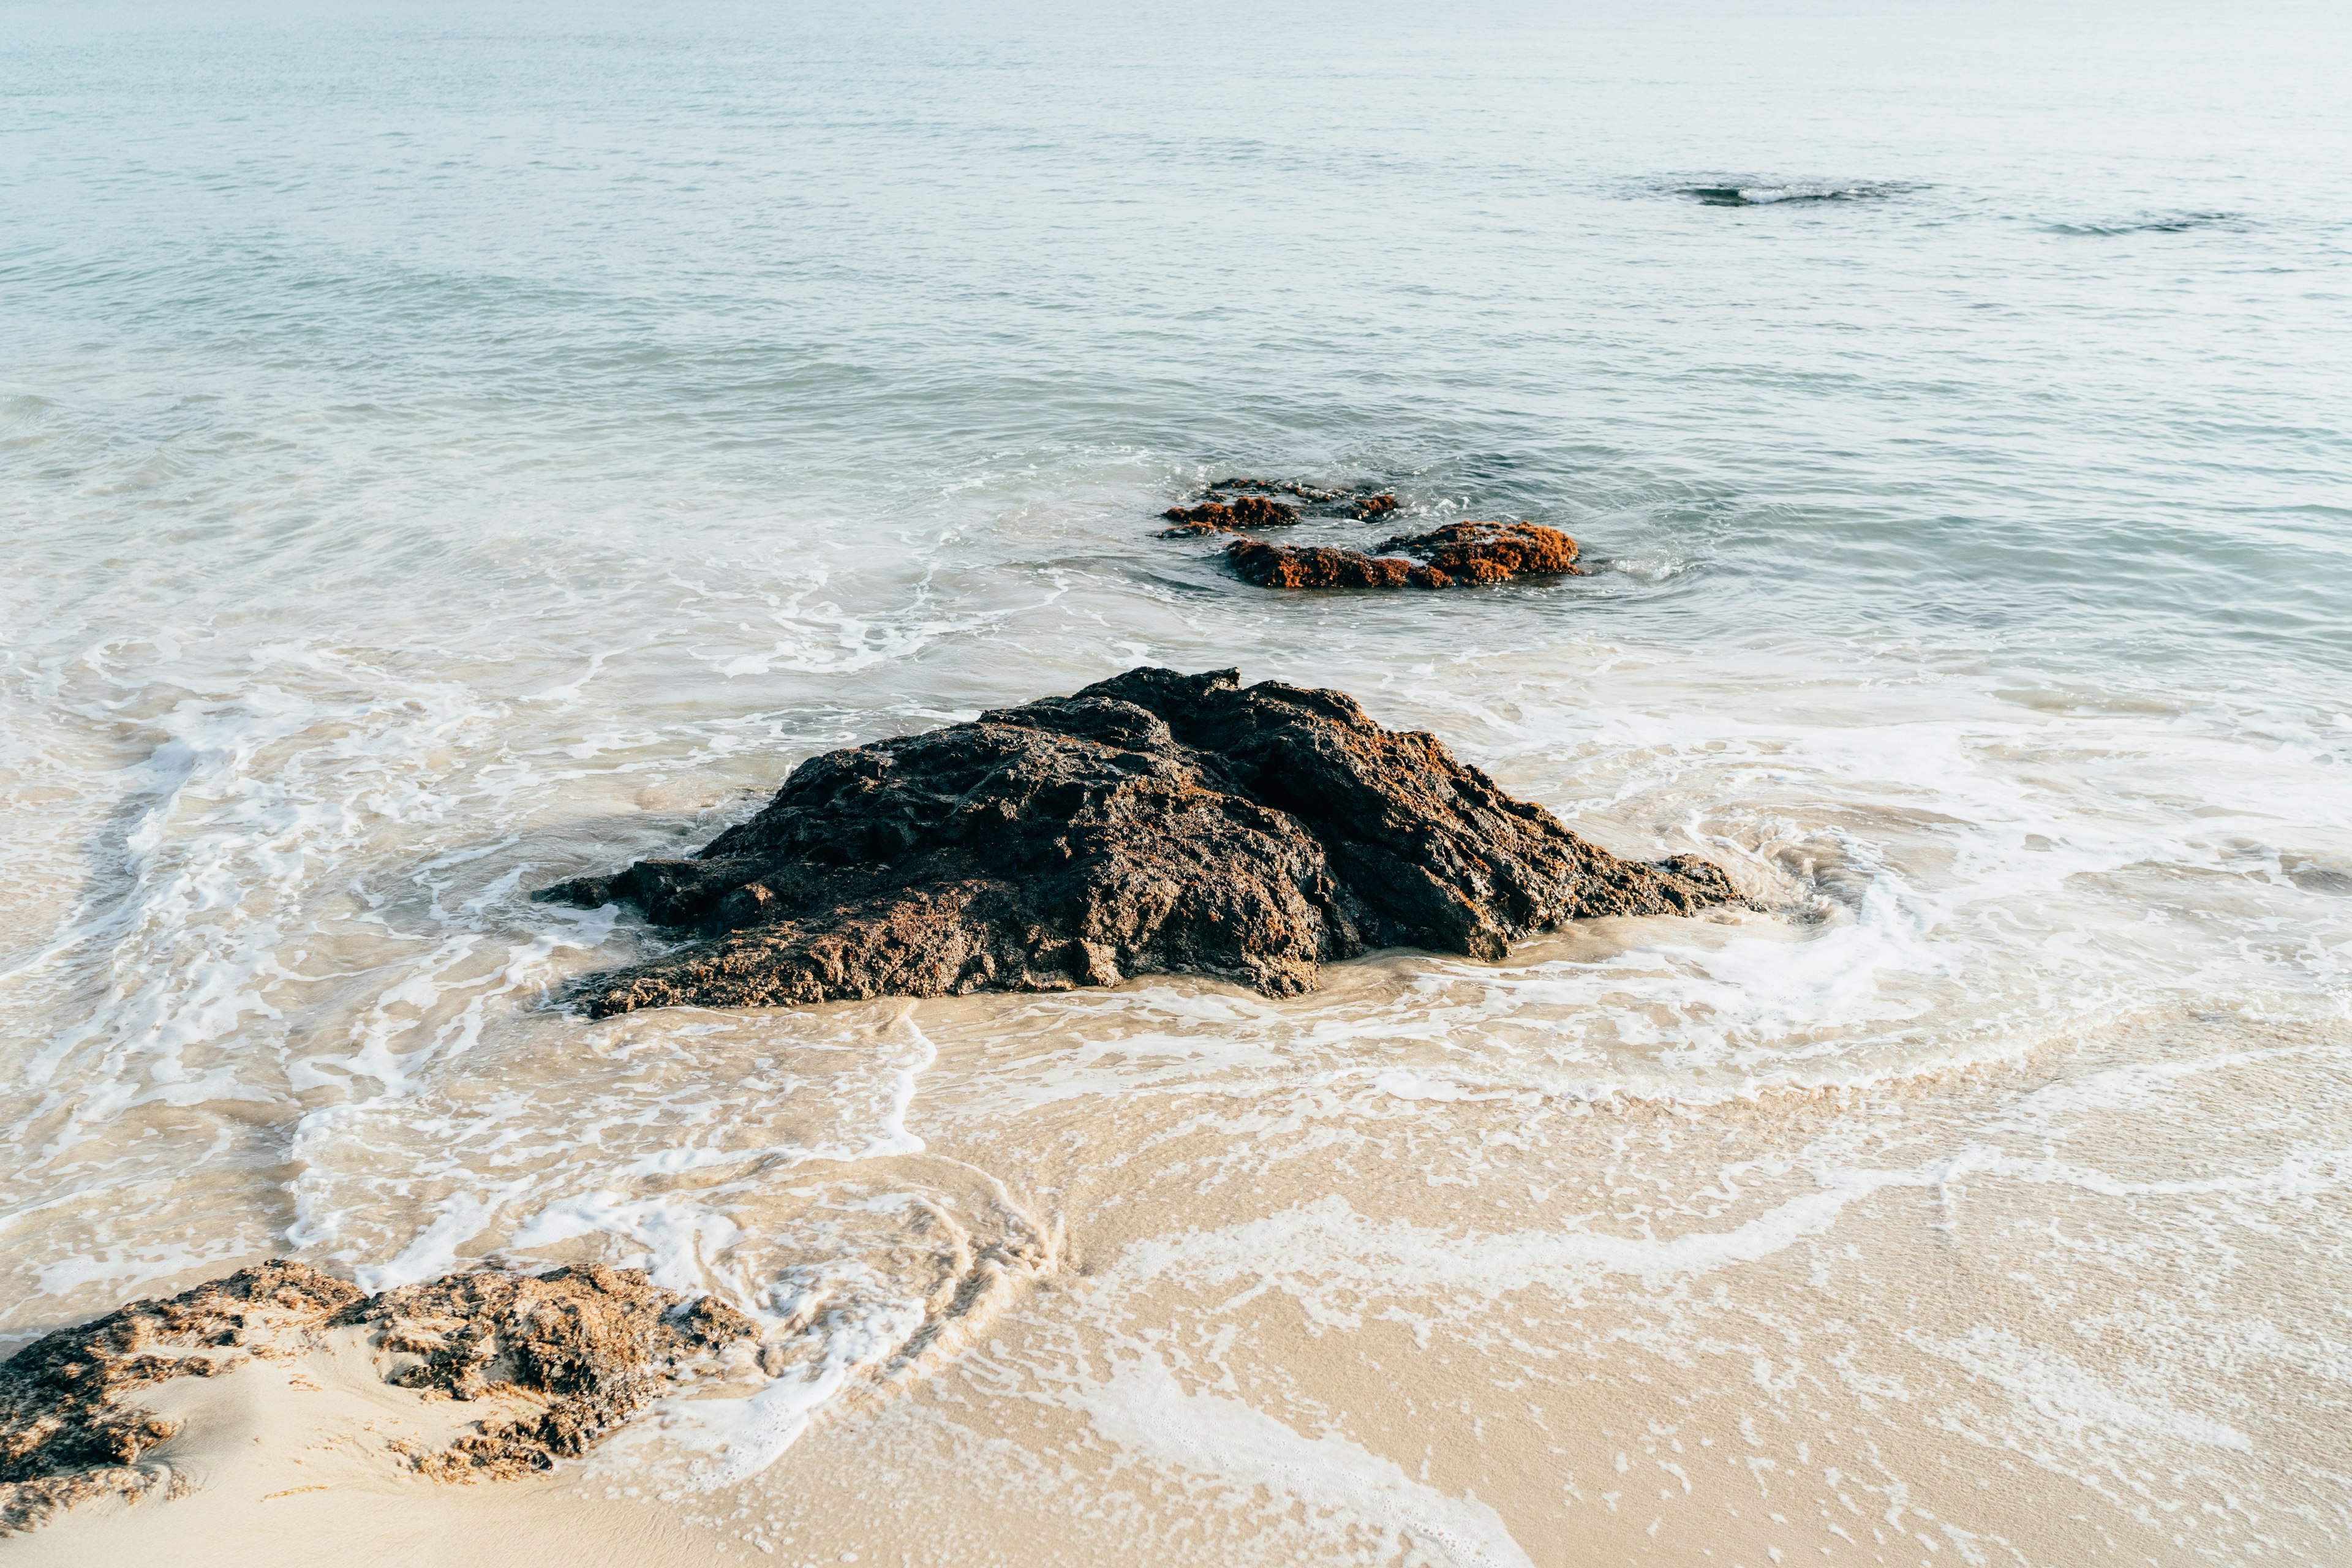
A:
(1490, 552)
(1219, 517)
(591, 1345)
(1153, 823)
(1231, 505)
(1457, 554)
(1322, 567)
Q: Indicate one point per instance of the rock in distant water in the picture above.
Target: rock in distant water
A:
(1456, 553)
(1222, 511)
(594, 1344)
(1153, 823)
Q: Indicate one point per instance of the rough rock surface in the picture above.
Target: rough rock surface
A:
(66, 1431)
(1456, 553)
(1154, 822)
(1323, 566)
(597, 1343)
(592, 1345)
(1490, 552)
(1220, 517)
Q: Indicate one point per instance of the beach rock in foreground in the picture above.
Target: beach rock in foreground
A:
(1153, 823)
(589, 1346)
(1457, 554)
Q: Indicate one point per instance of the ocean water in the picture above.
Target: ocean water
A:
(444, 450)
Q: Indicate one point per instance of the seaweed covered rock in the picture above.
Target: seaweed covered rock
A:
(1490, 552)
(1152, 823)
(1220, 517)
(1322, 567)
(1459, 552)
(589, 1345)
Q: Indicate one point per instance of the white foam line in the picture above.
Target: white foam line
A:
(1142, 1408)
(1328, 1241)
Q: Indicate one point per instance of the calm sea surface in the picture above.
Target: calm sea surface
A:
(445, 449)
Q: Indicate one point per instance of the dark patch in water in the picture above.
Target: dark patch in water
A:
(2153, 223)
(1781, 193)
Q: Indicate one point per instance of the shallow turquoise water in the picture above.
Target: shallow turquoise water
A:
(2070, 390)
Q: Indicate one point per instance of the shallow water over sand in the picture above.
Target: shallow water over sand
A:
(438, 459)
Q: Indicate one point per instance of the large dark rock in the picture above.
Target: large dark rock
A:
(1154, 822)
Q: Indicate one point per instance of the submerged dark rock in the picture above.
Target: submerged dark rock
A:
(1231, 505)
(592, 1345)
(1152, 823)
(1457, 554)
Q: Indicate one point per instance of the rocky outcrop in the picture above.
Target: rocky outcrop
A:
(1457, 554)
(1490, 552)
(591, 1345)
(1322, 567)
(1152, 823)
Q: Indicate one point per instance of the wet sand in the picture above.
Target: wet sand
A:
(2010, 1315)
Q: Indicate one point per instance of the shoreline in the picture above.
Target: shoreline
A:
(1245, 1353)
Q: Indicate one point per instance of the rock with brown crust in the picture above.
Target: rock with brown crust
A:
(589, 1346)
(597, 1344)
(1491, 552)
(66, 1431)
(1153, 823)
(1219, 517)
(1322, 567)
(1455, 554)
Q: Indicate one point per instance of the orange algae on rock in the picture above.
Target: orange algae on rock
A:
(1459, 552)
(1220, 517)
(1491, 552)
(1319, 566)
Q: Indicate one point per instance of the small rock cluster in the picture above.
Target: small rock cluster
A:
(1233, 504)
(1455, 554)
